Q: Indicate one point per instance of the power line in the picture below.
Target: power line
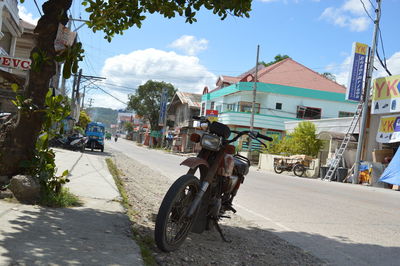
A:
(110, 94)
(37, 6)
(366, 11)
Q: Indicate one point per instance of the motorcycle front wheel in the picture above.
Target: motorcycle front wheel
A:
(172, 225)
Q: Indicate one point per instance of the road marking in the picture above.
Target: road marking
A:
(265, 218)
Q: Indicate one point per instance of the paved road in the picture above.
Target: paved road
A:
(341, 223)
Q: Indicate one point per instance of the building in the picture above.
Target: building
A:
(183, 107)
(10, 30)
(286, 91)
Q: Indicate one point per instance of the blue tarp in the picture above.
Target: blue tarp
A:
(391, 174)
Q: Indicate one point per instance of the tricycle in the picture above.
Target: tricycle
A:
(296, 164)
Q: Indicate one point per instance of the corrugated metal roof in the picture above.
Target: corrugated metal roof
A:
(192, 99)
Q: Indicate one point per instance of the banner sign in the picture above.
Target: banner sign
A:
(389, 129)
(163, 107)
(356, 77)
(212, 115)
(65, 38)
(14, 62)
(386, 95)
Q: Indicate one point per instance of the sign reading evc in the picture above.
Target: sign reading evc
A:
(386, 95)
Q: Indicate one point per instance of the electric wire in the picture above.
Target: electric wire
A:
(37, 6)
(366, 11)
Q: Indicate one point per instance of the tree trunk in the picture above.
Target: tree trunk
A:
(18, 136)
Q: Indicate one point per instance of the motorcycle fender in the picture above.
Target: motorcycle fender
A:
(194, 162)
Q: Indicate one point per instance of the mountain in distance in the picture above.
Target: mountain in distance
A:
(107, 116)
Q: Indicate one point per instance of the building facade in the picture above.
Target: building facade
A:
(286, 91)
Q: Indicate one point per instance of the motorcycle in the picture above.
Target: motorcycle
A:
(197, 203)
(74, 142)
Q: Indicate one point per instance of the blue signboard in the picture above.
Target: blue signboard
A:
(356, 78)
(163, 107)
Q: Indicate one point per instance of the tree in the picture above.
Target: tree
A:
(304, 139)
(277, 58)
(147, 100)
(329, 75)
(84, 119)
(19, 134)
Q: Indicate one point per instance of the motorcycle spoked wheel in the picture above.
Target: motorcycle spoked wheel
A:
(299, 170)
(278, 169)
(172, 227)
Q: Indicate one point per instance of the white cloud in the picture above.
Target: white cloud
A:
(25, 15)
(393, 64)
(190, 44)
(350, 15)
(342, 70)
(134, 69)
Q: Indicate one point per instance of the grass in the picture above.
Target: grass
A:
(60, 200)
(145, 242)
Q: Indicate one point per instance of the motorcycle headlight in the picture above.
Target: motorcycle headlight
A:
(210, 142)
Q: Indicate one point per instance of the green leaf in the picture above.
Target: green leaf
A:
(14, 87)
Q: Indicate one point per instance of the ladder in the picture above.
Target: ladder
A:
(339, 152)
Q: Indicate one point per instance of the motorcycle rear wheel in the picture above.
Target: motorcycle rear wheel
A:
(172, 227)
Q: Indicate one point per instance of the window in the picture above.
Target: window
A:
(345, 114)
(278, 106)
(231, 107)
(305, 112)
(218, 108)
(246, 107)
(212, 105)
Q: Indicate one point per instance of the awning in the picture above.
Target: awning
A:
(391, 174)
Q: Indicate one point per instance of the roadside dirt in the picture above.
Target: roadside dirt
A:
(250, 245)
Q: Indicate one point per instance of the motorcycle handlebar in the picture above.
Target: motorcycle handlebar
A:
(261, 136)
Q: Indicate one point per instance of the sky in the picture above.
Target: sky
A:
(316, 33)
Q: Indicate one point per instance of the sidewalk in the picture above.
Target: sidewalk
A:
(96, 234)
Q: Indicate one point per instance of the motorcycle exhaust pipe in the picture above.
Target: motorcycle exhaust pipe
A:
(195, 204)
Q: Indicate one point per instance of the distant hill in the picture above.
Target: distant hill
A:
(106, 116)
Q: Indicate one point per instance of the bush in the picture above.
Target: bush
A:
(303, 140)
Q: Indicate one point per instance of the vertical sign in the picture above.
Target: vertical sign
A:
(163, 107)
(356, 77)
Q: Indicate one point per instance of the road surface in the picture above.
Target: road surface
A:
(342, 223)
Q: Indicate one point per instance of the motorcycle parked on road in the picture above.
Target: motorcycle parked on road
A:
(76, 142)
(197, 203)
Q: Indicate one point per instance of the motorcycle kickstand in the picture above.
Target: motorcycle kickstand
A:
(220, 232)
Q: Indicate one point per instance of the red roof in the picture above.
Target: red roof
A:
(288, 73)
(291, 73)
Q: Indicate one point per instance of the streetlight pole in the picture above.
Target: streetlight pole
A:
(254, 99)
(364, 114)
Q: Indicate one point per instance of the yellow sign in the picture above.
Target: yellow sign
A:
(361, 48)
(389, 129)
(386, 95)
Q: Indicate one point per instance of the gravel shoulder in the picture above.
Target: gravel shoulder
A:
(250, 244)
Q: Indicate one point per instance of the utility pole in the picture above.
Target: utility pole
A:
(254, 99)
(364, 114)
(90, 102)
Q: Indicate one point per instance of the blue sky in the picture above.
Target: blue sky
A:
(316, 33)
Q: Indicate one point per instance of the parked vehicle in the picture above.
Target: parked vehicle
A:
(108, 135)
(95, 133)
(297, 165)
(197, 203)
(74, 142)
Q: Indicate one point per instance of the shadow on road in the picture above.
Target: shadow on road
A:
(83, 236)
(255, 246)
